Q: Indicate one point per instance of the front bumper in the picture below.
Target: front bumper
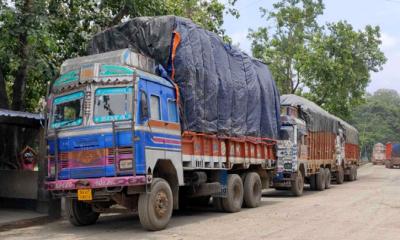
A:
(93, 183)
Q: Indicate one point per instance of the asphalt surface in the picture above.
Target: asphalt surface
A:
(368, 208)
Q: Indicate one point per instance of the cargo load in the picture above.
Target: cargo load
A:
(320, 120)
(222, 90)
(392, 155)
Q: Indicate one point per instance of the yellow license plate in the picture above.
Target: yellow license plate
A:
(85, 194)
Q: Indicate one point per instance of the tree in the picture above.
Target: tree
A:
(338, 66)
(295, 24)
(378, 118)
(36, 36)
(328, 64)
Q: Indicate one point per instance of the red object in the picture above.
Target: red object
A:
(388, 151)
(28, 159)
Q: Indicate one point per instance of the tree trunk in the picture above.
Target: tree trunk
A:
(19, 88)
(3, 90)
(120, 15)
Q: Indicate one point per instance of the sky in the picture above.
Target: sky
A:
(359, 13)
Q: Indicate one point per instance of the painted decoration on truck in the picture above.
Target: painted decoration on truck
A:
(114, 71)
(67, 78)
(68, 98)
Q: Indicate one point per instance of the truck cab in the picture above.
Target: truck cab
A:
(291, 151)
(113, 123)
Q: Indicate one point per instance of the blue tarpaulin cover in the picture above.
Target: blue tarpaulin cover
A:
(222, 89)
(396, 150)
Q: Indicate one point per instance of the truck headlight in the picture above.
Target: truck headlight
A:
(125, 164)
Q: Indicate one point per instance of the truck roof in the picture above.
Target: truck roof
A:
(319, 119)
(110, 67)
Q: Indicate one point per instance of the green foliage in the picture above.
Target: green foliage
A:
(329, 64)
(338, 66)
(60, 29)
(378, 118)
(294, 25)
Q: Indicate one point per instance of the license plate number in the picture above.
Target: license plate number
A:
(85, 194)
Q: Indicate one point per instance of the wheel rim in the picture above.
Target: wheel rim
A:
(161, 204)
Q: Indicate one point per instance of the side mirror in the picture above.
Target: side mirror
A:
(144, 107)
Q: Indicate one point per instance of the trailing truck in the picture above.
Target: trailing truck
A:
(392, 155)
(315, 147)
(378, 154)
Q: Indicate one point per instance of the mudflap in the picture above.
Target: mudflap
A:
(222, 178)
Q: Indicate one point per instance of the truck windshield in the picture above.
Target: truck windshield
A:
(67, 110)
(287, 133)
(113, 104)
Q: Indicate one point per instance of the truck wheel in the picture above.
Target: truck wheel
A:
(328, 178)
(217, 203)
(388, 164)
(80, 213)
(297, 185)
(234, 190)
(155, 208)
(313, 182)
(350, 177)
(252, 190)
(339, 175)
(320, 180)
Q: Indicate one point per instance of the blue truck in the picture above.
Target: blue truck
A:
(114, 137)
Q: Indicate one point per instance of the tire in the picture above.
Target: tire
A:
(339, 175)
(217, 203)
(313, 184)
(297, 186)
(234, 190)
(328, 178)
(80, 213)
(351, 176)
(155, 208)
(320, 180)
(252, 190)
(388, 164)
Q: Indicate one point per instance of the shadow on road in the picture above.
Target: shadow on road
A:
(272, 193)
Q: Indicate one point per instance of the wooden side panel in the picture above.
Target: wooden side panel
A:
(210, 151)
(321, 146)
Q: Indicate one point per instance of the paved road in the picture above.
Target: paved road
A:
(368, 209)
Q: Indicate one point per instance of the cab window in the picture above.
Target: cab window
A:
(67, 110)
(172, 111)
(155, 111)
(113, 104)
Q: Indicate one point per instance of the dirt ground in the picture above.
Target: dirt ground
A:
(366, 209)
